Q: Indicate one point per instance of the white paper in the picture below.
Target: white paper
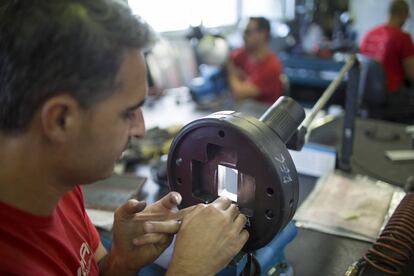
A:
(101, 219)
(355, 207)
(314, 160)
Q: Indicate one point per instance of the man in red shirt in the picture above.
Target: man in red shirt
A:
(72, 81)
(392, 47)
(254, 71)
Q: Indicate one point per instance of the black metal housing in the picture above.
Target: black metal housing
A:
(267, 179)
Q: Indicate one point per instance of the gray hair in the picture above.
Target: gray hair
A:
(72, 46)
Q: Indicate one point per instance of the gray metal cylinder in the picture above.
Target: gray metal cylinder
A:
(284, 117)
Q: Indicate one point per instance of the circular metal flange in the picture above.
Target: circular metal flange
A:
(255, 158)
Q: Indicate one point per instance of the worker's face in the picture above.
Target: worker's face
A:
(253, 36)
(404, 18)
(110, 123)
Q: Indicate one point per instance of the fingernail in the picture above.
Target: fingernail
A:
(132, 202)
(177, 198)
(148, 227)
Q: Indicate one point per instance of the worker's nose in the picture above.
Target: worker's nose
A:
(137, 128)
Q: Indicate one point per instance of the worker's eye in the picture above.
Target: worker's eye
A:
(128, 114)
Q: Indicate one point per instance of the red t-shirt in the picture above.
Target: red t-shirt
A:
(61, 244)
(389, 46)
(264, 74)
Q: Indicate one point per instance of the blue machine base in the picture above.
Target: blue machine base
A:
(270, 260)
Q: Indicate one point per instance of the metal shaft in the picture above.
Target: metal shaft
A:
(284, 117)
(327, 94)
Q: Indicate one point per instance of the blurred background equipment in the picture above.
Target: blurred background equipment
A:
(213, 50)
(154, 144)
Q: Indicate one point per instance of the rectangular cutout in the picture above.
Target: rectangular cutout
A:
(227, 182)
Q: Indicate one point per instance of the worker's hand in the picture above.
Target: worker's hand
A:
(141, 234)
(209, 237)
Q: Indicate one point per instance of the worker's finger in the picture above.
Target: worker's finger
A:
(131, 207)
(168, 202)
(164, 215)
(233, 211)
(167, 227)
(179, 215)
(152, 238)
(244, 236)
(240, 222)
(222, 203)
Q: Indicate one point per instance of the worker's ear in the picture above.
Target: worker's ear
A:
(60, 116)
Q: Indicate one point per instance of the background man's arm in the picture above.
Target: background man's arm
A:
(241, 89)
(408, 64)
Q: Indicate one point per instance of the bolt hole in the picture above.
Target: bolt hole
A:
(269, 214)
(221, 133)
(269, 191)
(178, 161)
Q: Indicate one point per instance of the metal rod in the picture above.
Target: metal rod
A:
(351, 108)
(327, 94)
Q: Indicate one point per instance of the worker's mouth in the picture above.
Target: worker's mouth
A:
(123, 154)
(126, 150)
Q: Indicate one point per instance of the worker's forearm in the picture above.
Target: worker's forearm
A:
(409, 68)
(242, 89)
(234, 83)
(238, 85)
(410, 74)
(234, 79)
(108, 267)
(184, 270)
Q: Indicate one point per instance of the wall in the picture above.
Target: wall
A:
(369, 13)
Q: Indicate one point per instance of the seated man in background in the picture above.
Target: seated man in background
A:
(72, 82)
(392, 47)
(254, 71)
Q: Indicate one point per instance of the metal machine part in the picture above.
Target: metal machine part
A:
(351, 67)
(244, 159)
(395, 246)
(393, 250)
(269, 260)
